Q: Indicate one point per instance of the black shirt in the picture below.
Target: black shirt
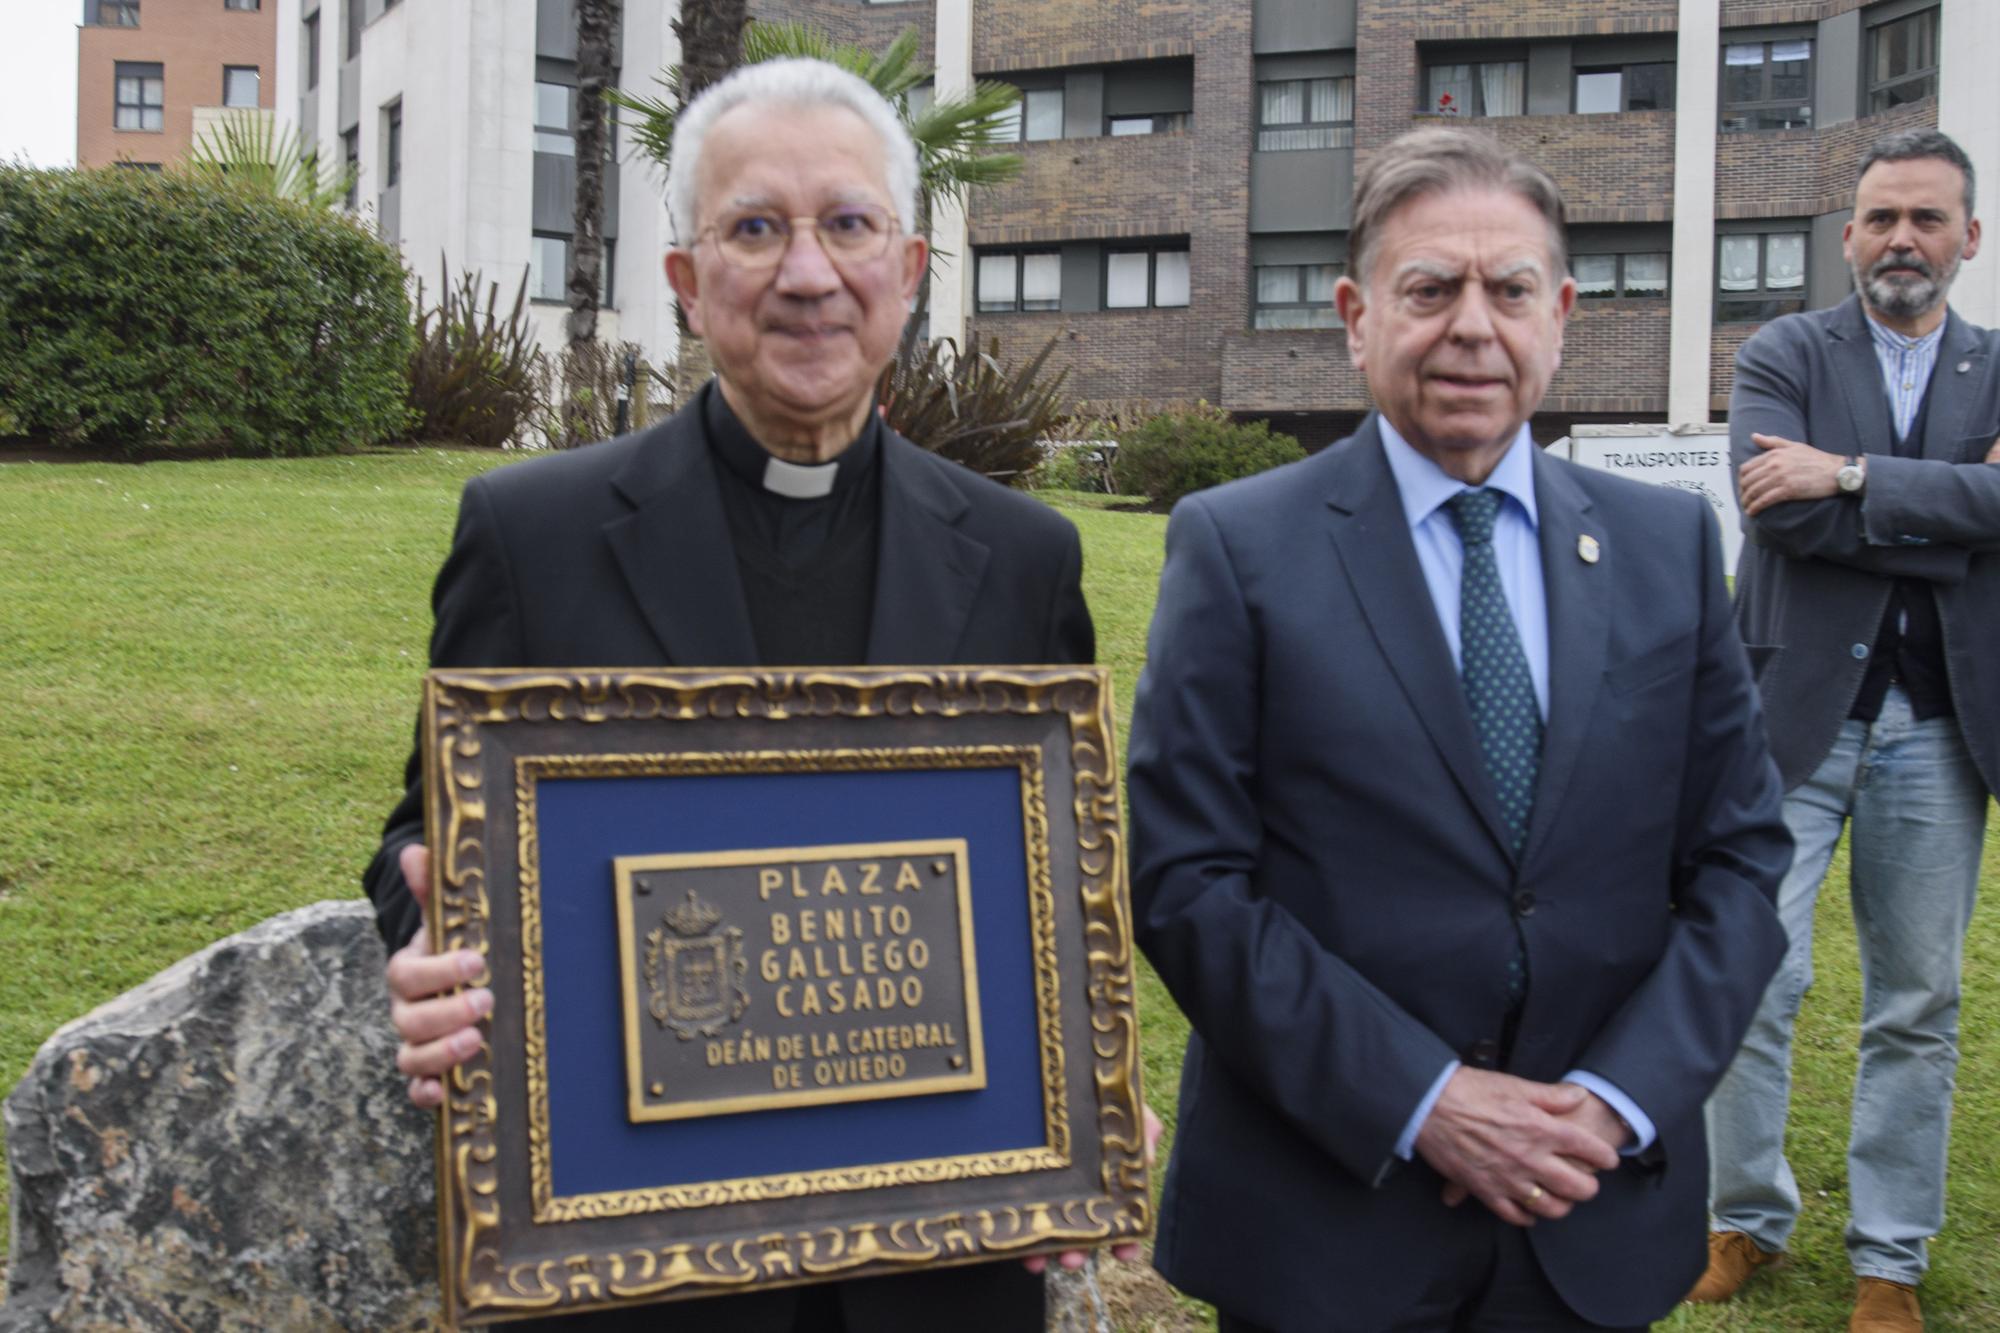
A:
(807, 565)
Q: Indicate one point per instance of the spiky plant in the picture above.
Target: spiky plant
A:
(248, 149)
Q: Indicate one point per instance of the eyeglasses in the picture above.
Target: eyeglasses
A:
(757, 239)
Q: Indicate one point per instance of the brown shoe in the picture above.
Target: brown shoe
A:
(1732, 1258)
(1885, 1307)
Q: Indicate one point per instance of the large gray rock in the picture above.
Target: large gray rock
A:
(227, 1147)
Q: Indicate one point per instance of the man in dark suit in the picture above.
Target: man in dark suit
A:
(1869, 588)
(1454, 830)
(774, 521)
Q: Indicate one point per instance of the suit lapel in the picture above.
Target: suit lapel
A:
(1578, 593)
(927, 572)
(675, 550)
(1853, 354)
(1953, 394)
(1372, 536)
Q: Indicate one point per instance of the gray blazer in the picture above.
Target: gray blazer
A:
(1815, 574)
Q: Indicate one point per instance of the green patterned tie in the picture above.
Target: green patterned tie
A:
(1498, 686)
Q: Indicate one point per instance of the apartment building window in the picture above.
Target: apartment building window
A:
(555, 130)
(112, 13)
(1295, 296)
(1297, 114)
(1767, 85)
(239, 85)
(1759, 275)
(1019, 280)
(1135, 279)
(351, 48)
(1477, 88)
(918, 99)
(247, 6)
(1612, 88)
(392, 140)
(1603, 277)
(312, 52)
(1903, 60)
(1150, 122)
(1038, 115)
(137, 166)
(350, 158)
(548, 269)
(141, 96)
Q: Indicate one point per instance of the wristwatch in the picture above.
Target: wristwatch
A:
(1851, 477)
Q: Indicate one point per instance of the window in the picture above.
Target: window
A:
(248, 6)
(1295, 296)
(1482, 88)
(1019, 280)
(555, 131)
(312, 51)
(141, 97)
(1305, 113)
(1760, 276)
(1160, 122)
(352, 49)
(1903, 60)
(1608, 89)
(1602, 277)
(239, 85)
(919, 98)
(392, 145)
(1767, 85)
(350, 157)
(1134, 279)
(1038, 115)
(137, 166)
(548, 269)
(112, 13)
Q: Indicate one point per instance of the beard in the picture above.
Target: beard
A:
(1904, 286)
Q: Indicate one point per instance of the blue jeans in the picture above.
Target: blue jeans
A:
(1918, 813)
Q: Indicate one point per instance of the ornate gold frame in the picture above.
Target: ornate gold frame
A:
(497, 1265)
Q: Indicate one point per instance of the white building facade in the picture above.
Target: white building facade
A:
(459, 117)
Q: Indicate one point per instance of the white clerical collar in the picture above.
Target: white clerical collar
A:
(797, 481)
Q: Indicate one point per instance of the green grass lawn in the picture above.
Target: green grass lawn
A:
(207, 677)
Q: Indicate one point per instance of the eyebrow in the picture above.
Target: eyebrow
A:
(1429, 268)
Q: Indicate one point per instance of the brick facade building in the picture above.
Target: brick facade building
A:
(1190, 166)
(150, 73)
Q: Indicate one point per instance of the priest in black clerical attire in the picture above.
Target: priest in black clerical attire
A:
(774, 521)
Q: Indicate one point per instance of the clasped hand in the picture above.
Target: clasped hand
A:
(439, 1025)
(1526, 1150)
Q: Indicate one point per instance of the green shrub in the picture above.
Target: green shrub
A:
(474, 376)
(143, 311)
(967, 407)
(1190, 449)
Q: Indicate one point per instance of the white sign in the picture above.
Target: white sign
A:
(1691, 458)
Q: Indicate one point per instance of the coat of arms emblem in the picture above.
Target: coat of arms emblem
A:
(694, 970)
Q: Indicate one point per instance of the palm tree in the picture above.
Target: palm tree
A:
(596, 24)
(247, 148)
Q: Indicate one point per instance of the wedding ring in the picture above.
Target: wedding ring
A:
(1533, 1194)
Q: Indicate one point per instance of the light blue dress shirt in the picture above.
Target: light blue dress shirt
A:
(1906, 368)
(1424, 488)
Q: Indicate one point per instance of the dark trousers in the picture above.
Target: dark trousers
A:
(1489, 1283)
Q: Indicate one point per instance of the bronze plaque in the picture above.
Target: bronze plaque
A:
(795, 976)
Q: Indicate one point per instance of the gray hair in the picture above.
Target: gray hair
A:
(1439, 160)
(1912, 145)
(795, 82)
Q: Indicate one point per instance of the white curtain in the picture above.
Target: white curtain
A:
(1170, 278)
(1596, 275)
(1451, 90)
(1277, 284)
(1785, 262)
(1739, 264)
(1125, 281)
(1041, 282)
(1504, 85)
(1045, 113)
(996, 282)
(1282, 103)
(1746, 53)
(1645, 275)
(1319, 281)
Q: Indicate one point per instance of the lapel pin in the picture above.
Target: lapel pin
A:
(1586, 548)
(1964, 366)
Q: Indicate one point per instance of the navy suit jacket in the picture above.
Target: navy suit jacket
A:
(619, 555)
(1322, 878)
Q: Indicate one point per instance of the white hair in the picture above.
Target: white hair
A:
(797, 82)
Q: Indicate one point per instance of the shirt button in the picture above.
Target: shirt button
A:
(1524, 903)
(1860, 651)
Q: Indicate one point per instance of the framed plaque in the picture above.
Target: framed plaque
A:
(798, 976)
